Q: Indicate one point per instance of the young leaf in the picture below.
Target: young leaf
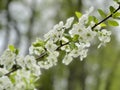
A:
(16, 51)
(92, 18)
(103, 25)
(68, 37)
(95, 19)
(101, 12)
(12, 48)
(112, 9)
(38, 43)
(78, 14)
(116, 15)
(73, 46)
(113, 23)
(75, 38)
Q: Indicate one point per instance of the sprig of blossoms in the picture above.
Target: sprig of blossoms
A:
(78, 37)
(18, 72)
(71, 39)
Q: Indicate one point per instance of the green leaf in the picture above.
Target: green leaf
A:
(68, 37)
(73, 46)
(103, 25)
(116, 15)
(12, 48)
(38, 43)
(12, 77)
(101, 12)
(112, 9)
(92, 18)
(113, 23)
(16, 51)
(75, 38)
(95, 19)
(78, 14)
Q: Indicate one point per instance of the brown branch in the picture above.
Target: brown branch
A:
(62, 45)
(43, 54)
(13, 70)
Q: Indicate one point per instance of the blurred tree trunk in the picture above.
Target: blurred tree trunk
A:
(7, 31)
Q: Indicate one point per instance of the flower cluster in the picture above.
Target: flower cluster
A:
(64, 41)
(73, 39)
(26, 70)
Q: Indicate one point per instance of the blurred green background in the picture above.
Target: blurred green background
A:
(22, 21)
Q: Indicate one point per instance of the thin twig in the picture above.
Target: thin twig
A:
(62, 45)
(43, 54)
(106, 18)
(15, 69)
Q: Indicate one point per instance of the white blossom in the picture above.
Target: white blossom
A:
(53, 57)
(87, 35)
(64, 40)
(69, 22)
(5, 83)
(76, 29)
(23, 73)
(67, 59)
(31, 64)
(3, 71)
(29, 61)
(8, 59)
(45, 64)
(35, 70)
(82, 45)
(20, 85)
(56, 33)
(23, 80)
(83, 54)
(37, 47)
(50, 61)
(50, 46)
(20, 61)
(36, 50)
(104, 37)
(75, 53)
(81, 51)
(66, 48)
(58, 26)
(84, 18)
